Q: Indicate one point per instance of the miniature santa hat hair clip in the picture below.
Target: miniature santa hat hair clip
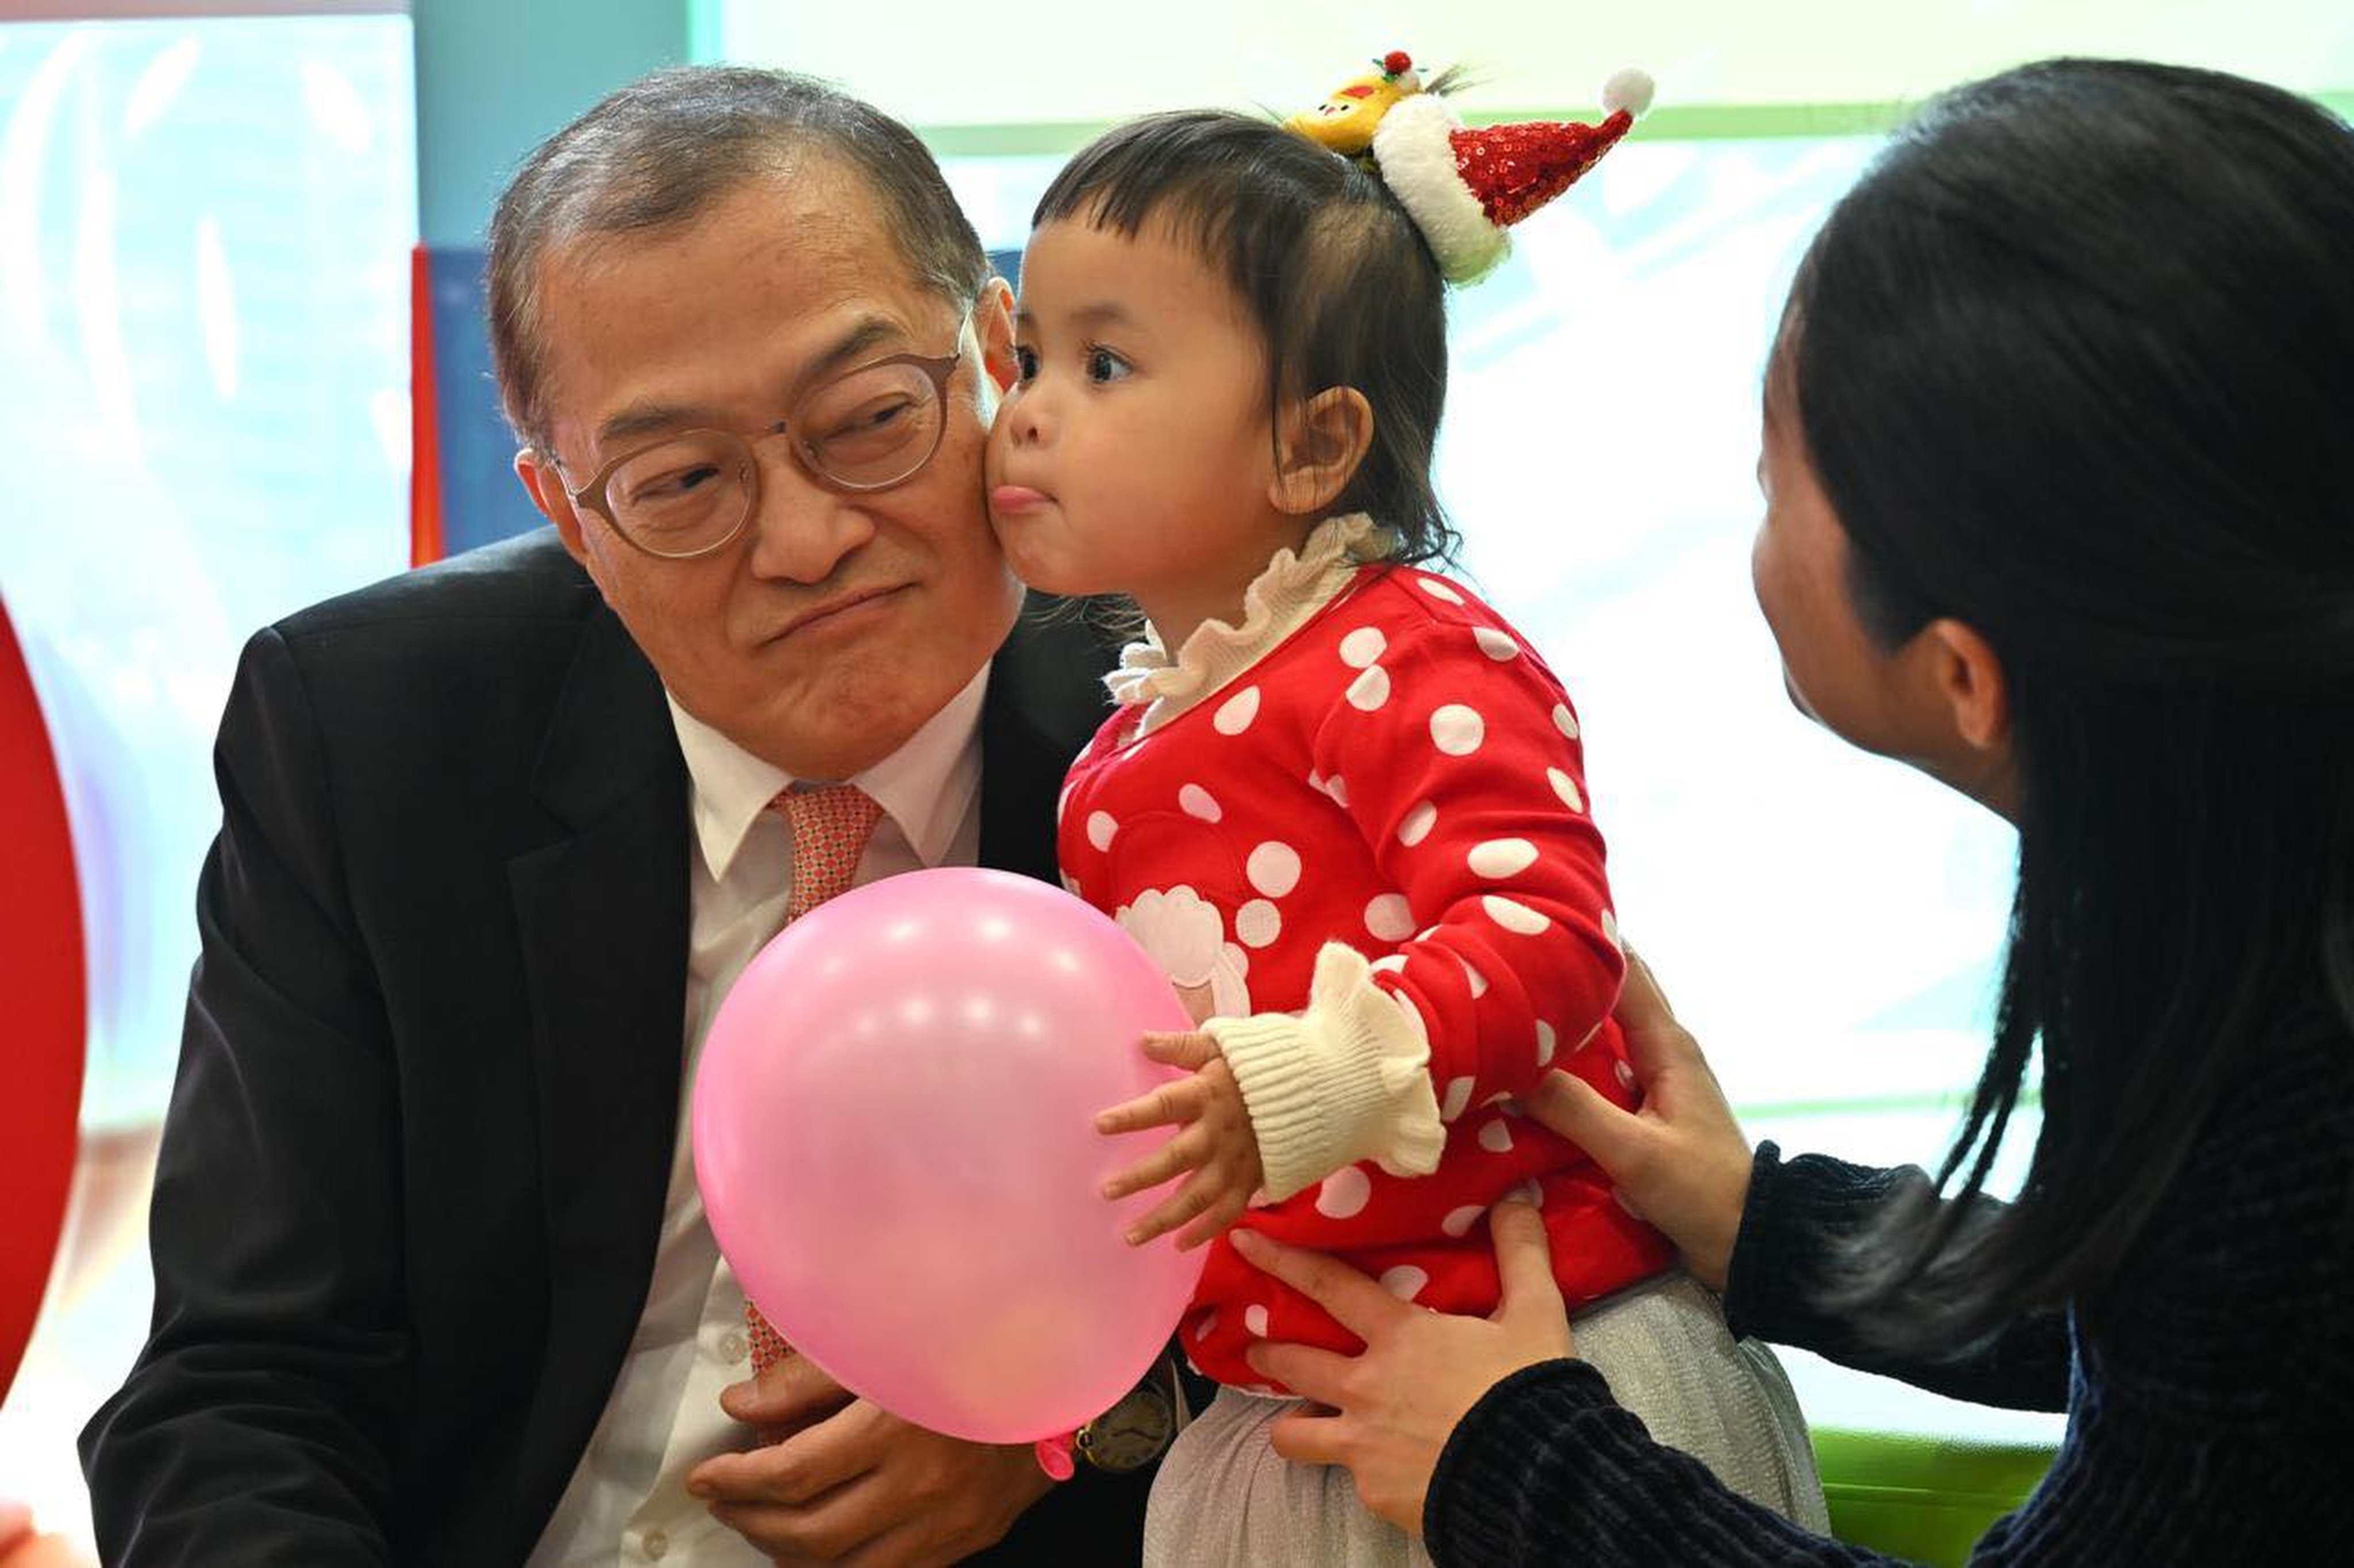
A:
(1464, 188)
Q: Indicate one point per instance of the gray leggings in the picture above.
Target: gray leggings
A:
(1224, 1496)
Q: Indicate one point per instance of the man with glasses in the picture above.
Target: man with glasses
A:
(432, 1281)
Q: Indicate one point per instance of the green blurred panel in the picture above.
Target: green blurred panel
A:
(493, 80)
(1925, 1500)
(1672, 123)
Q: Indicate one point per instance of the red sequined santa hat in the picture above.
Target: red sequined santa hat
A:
(1466, 188)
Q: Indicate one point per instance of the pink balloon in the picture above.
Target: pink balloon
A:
(893, 1133)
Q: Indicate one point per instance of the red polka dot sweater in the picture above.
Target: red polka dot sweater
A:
(1353, 831)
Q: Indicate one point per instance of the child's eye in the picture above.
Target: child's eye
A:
(1104, 365)
(1025, 363)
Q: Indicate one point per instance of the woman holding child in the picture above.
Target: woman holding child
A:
(2060, 510)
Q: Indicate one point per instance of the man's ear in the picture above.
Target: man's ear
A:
(546, 487)
(992, 324)
(1318, 450)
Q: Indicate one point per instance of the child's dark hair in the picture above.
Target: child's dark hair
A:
(1336, 278)
(2074, 365)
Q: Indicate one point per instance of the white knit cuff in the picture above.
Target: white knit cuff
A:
(1347, 1080)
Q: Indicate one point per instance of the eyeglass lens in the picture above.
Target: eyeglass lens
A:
(863, 431)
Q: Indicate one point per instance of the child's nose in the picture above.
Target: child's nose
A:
(1031, 418)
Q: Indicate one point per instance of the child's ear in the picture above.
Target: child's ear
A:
(1318, 449)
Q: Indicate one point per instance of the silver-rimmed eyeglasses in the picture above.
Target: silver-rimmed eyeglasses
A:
(691, 493)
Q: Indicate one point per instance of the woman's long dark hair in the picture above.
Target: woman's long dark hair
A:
(2074, 364)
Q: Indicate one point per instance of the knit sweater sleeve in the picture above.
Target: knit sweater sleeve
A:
(2207, 1417)
(1800, 1217)
(1547, 1468)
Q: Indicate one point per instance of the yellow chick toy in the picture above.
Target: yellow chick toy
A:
(1345, 122)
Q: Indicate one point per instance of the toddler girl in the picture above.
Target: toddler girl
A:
(1341, 799)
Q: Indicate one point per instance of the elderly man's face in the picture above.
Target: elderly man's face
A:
(822, 636)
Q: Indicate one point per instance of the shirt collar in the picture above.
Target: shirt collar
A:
(925, 788)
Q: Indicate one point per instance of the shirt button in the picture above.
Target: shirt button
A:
(657, 1546)
(732, 1348)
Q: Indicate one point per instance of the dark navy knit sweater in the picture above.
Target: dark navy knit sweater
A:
(2210, 1397)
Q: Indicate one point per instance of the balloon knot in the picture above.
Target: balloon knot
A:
(1054, 1455)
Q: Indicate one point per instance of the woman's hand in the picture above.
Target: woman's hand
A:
(1217, 1152)
(1680, 1161)
(1394, 1406)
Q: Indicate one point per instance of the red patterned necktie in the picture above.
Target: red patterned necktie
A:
(831, 827)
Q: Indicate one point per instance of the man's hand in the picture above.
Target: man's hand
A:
(853, 1484)
(1680, 1161)
(1217, 1145)
(1390, 1409)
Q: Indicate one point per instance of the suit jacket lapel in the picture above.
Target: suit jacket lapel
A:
(1045, 700)
(603, 921)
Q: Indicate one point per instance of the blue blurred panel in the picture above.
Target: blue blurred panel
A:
(1007, 264)
(482, 501)
(204, 230)
(480, 498)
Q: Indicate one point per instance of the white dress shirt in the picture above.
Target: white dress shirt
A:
(627, 1502)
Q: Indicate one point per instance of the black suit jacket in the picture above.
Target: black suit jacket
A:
(413, 1170)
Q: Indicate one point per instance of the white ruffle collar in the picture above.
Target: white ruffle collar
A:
(1277, 602)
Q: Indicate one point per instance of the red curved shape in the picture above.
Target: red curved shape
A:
(425, 543)
(43, 1007)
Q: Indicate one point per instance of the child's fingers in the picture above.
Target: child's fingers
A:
(1195, 1196)
(1182, 1154)
(1190, 1050)
(1223, 1213)
(1153, 1228)
(1169, 1104)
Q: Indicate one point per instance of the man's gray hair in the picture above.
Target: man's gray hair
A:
(669, 146)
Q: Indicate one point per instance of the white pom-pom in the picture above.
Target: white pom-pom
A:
(1629, 90)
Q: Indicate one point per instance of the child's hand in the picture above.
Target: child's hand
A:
(1217, 1145)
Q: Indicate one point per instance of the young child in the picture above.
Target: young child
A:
(1341, 799)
